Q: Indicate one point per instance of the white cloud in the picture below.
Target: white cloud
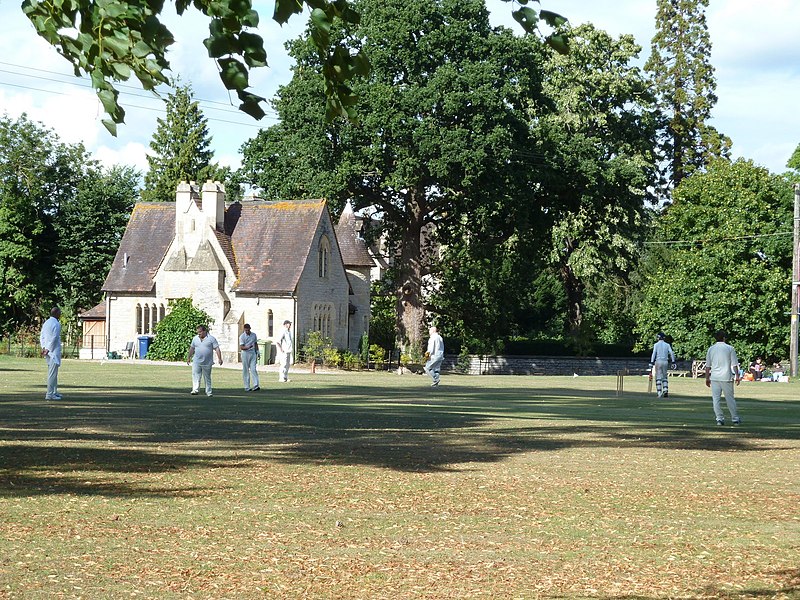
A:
(133, 154)
(754, 50)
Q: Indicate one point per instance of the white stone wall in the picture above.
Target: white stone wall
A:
(313, 289)
(360, 284)
(255, 311)
(121, 320)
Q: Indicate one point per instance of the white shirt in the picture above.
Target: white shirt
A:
(50, 339)
(662, 351)
(722, 361)
(204, 350)
(285, 343)
(436, 346)
(249, 342)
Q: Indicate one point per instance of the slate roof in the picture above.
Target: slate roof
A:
(271, 242)
(266, 243)
(147, 237)
(96, 313)
(354, 250)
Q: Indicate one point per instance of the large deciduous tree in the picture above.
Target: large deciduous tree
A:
(442, 120)
(38, 174)
(89, 228)
(721, 259)
(112, 41)
(683, 77)
(61, 217)
(598, 148)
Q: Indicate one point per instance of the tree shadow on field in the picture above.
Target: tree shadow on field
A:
(401, 426)
(790, 588)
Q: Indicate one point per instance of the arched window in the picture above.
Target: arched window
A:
(270, 323)
(161, 312)
(153, 318)
(138, 319)
(146, 319)
(324, 253)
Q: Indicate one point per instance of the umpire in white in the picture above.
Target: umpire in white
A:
(659, 363)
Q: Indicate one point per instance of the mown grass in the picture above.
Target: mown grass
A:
(365, 485)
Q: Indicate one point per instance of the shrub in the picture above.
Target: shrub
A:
(377, 356)
(315, 345)
(331, 357)
(351, 361)
(175, 331)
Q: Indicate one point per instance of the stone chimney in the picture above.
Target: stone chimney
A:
(214, 204)
(186, 209)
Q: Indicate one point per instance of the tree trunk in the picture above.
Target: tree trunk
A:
(410, 305)
(574, 288)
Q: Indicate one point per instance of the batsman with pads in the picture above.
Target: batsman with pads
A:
(659, 363)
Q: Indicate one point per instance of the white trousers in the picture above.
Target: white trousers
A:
(197, 372)
(432, 368)
(284, 360)
(52, 376)
(249, 371)
(725, 388)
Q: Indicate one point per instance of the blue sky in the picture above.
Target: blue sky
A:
(755, 51)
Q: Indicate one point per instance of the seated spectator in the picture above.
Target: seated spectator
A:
(757, 368)
(777, 371)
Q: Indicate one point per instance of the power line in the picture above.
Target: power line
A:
(151, 108)
(715, 241)
(82, 82)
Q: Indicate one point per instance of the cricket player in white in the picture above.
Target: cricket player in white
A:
(248, 344)
(659, 363)
(722, 369)
(202, 350)
(50, 341)
(285, 347)
(435, 356)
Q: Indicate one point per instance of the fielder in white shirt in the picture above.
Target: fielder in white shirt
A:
(248, 344)
(50, 341)
(202, 350)
(722, 369)
(285, 348)
(435, 355)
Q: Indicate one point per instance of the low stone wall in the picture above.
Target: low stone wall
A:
(552, 365)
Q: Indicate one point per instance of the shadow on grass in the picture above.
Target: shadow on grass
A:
(327, 422)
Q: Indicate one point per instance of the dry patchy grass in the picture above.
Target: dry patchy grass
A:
(374, 486)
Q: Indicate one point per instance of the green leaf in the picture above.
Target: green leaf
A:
(110, 126)
(252, 47)
(552, 19)
(285, 9)
(320, 20)
(220, 45)
(141, 49)
(251, 19)
(251, 104)
(115, 9)
(120, 46)
(527, 17)
(233, 74)
(122, 70)
(109, 101)
(558, 42)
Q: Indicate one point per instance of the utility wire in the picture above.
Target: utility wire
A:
(151, 108)
(84, 83)
(730, 239)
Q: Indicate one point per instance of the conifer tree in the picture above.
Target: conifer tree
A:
(683, 78)
(181, 148)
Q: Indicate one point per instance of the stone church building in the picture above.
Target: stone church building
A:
(252, 262)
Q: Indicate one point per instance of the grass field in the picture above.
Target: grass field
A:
(373, 485)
